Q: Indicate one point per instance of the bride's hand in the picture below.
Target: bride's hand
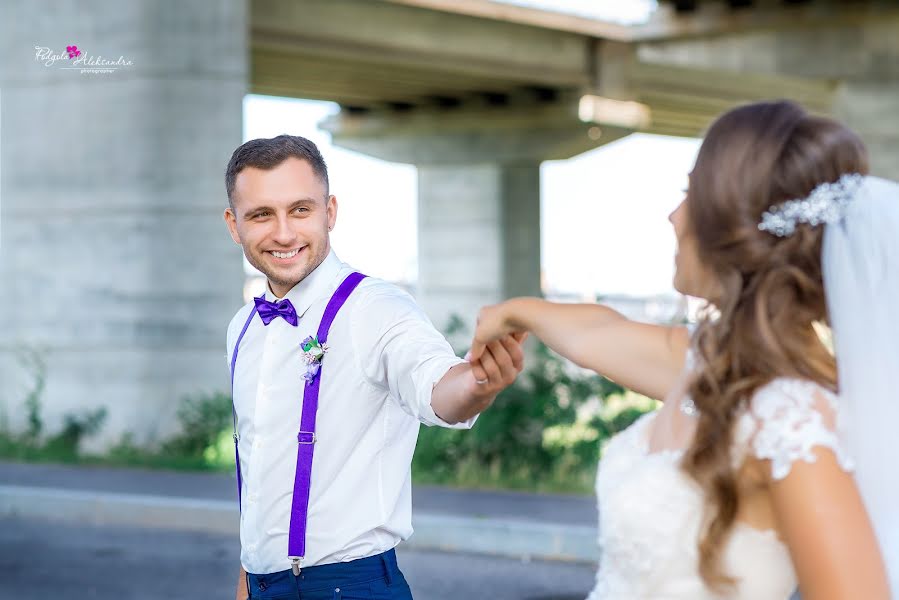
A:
(494, 323)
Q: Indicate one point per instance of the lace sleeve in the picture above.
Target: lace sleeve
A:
(788, 419)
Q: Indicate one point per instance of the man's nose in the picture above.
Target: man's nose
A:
(284, 235)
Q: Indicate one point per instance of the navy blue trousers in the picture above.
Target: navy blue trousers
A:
(373, 578)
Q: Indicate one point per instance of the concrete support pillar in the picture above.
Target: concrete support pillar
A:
(115, 267)
(479, 236)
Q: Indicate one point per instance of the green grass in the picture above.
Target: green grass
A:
(123, 455)
(469, 474)
(466, 475)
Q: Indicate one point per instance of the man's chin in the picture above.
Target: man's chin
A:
(285, 278)
(284, 275)
(288, 276)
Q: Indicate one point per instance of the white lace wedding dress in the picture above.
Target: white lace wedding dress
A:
(650, 510)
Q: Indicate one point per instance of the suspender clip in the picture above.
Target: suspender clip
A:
(295, 562)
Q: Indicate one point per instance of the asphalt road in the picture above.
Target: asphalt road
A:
(44, 561)
(544, 508)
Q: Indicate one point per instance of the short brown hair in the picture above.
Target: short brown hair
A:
(268, 153)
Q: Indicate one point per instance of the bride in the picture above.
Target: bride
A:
(769, 464)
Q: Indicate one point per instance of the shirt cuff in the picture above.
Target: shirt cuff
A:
(430, 376)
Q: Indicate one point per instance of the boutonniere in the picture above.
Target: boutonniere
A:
(313, 354)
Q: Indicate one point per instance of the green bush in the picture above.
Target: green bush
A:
(32, 360)
(203, 419)
(32, 444)
(66, 443)
(203, 441)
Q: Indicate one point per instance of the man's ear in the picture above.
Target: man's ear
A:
(231, 222)
(332, 212)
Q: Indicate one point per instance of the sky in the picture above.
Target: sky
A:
(603, 213)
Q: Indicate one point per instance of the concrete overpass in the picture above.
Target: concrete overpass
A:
(114, 264)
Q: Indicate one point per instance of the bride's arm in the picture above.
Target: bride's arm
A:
(831, 541)
(645, 358)
(816, 503)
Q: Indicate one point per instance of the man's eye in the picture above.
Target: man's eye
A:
(301, 209)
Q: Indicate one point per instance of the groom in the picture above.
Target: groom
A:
(335, 366)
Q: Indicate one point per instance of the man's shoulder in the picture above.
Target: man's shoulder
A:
(373, 290)
(380, 302)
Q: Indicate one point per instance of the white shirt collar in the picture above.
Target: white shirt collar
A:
(313, 286)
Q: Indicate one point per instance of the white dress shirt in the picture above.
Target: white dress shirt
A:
(383, 361)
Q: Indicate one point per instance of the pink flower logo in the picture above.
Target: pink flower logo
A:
(73, 51)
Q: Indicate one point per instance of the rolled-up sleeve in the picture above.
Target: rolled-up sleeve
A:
(399, 350)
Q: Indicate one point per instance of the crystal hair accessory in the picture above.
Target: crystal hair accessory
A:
(827, 203)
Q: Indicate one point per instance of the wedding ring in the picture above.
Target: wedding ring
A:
(481, 381)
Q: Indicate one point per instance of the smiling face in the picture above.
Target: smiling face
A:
(282, 218)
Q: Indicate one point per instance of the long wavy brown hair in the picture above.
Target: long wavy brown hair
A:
(770, 289)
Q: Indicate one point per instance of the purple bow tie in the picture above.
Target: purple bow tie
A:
(269, 310)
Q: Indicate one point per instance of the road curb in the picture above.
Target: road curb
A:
(500, 537)
(504, 537)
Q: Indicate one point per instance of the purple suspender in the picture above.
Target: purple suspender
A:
(233, 409)
(296, 541)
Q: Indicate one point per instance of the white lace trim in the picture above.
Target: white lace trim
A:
(788, 419)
